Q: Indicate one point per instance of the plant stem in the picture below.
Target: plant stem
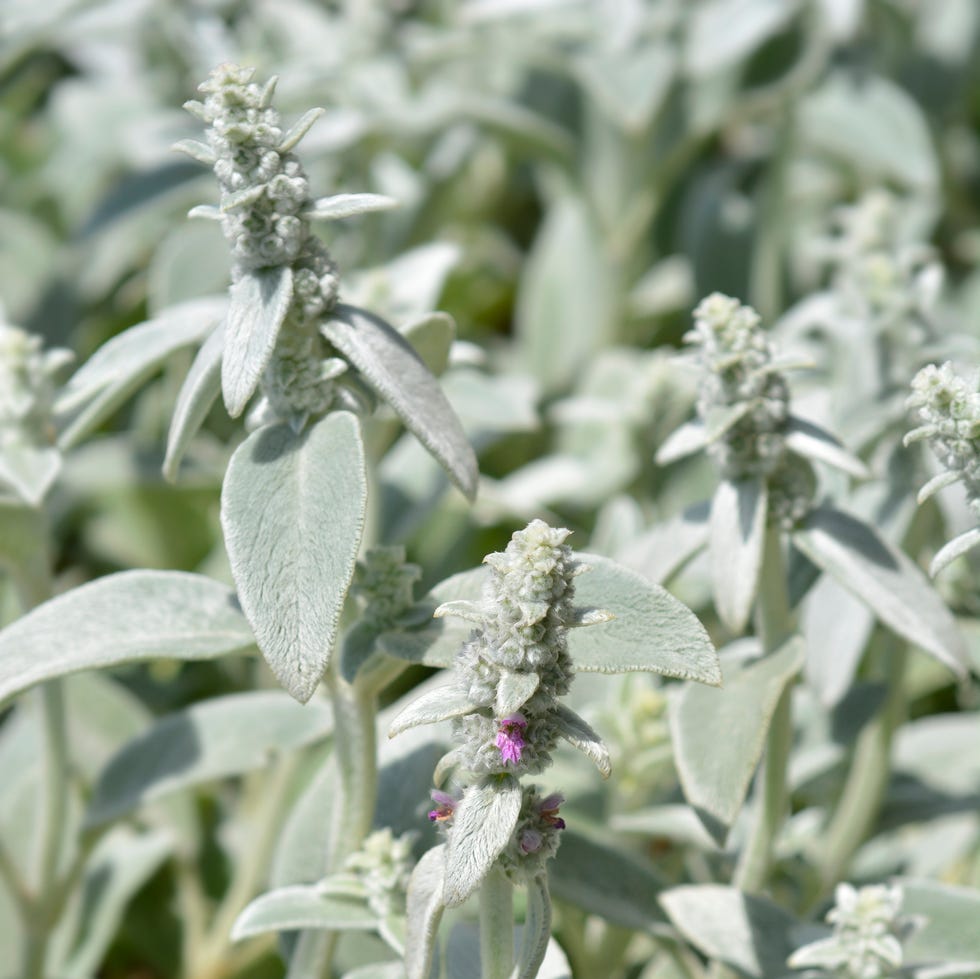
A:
(868, 776)
(496, 926)
(774, 625)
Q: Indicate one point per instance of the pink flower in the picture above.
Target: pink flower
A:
(548, 808)
(510, 737)
(445, 806)
(530, 841)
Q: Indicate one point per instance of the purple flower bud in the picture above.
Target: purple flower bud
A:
(530, 841)
(548, 808)
(445, 806)
(510, 737)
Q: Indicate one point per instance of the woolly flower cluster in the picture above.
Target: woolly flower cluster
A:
(949, 409)
(264, 190)
(383, 865)
(27, 387)
(740, 379)
(879, 276)
(384, 582)
(867, 938)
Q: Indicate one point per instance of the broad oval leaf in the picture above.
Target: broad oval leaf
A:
(302, 906)
(651, 630)
(886, 579)
(949, 917)
(482, 826)
(749, 933)
(665, 548)
(292, 509)
(121, 365)
(393, 369)
(220, 737)
(259, 303)
(122, 618)
(198, 392)
(738, 531)
(425, 907)
(718, 735)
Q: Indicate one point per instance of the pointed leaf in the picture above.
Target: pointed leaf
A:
(738, 530)
(514, 691)
(292, 509)
(718, 735)
(122, 364)
(812, 442)
(689, 438)
(886, 579)
(122, 618)
(396, 372)
(749, 933)
(302, 906)
(197, 394)
(431, 336)
(937, 483)
(482, 826)
(650, 630)
(433, 706)
(536, 932)
(348, 205)
(195, 150)
(425, 907)
(954, 549)
(217, 738)
(578, 733)
(259, 303)
(665, 548)
(300, 129)
(29, 470)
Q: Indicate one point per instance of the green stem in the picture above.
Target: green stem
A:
(774, 625)
(867, 778)
(10, 874)
(251, 869)
(496, 926)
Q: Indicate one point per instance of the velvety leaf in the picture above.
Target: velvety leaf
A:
(812, 442)
(120, 865)
(29, 470)
(536, 933)
(292, 509)
(425, 907)
(217, 738)
(348, 205)
(259, 303)
(949, 929)
(299, 129)
(886, 579)
(689, 438)
(666, 547)
(651, 630)
(748, 933)
(397, 373)
(433, 706)
(738, 531)
(121, 365)
(431, 337)
(577, 732)
(957, 547)
(302, 906)
(603, 880)
(482, 826)
(937, 483)
(122, 618)
(197, 394)
(563, 309)
(24, 545)
(514, 690)
(718, 734)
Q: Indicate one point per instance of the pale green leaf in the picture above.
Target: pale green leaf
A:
(482, 826)
(578, 733)
(197, 394)
(292, 509)
(260, 301)
(217, 738)
(748, 933)
(886, 579)
(957, 547)
(665, 548)
(718, 734)
(738, 530)
(812, 442)
(949, 928)
(650, 630)
(122, 618)
(425, 907)
(29, 470)
(433, 706)
(348, 205)
(514, 690)
(299, 129)
(397, 373)
(536, 933)
(431, 337)
(302, 906)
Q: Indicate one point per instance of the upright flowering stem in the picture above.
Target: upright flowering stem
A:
(774, 624)
(496, 926)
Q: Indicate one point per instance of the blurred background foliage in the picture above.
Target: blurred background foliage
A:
(573, 177)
